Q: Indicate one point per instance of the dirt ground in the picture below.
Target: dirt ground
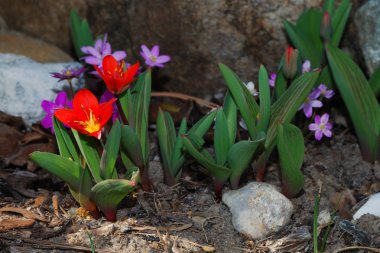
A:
(37, 214)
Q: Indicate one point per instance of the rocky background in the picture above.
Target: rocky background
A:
(197, 34)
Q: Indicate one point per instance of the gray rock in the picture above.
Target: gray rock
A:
(368, 24)
(258, 209)
(25, 83)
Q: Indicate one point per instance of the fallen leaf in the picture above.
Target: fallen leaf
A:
(12, 223)
(40, 199)
(23, 212)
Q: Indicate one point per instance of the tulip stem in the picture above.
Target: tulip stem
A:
(71, 88)
(121, 112)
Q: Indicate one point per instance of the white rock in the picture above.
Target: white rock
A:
(258, 209)
(25, 83)
(372, 206)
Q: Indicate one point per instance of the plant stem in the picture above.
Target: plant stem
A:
(121, 112)
(71, 88)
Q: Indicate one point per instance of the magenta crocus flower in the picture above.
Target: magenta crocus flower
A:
(107, 96)
(68, 74)
(306, 66)
(101, 49)
(311, 101)
(272, 80)
(324, 92)
(50, 107)
(152, 57)
(321, 127)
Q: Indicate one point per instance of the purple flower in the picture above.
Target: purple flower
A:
(306, 66)
(50, 107)
(68, 74)
(325, 92)
(152, 57)
(322, 126)
(107, 96)
(272, 80)
(101, 49)
(311, 101)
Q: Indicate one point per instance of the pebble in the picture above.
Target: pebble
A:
(258, 209)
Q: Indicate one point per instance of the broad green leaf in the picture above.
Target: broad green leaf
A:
(360, 101)
(64, 141)
(329, 6)
(281, 85)
(178, 157)
(131, 147)
(221, 140)
(126, 104)
(326, 78)
(63, 168)
(240, 156)
(202, 126)
(284, 109)
(291, 149)
(80, 33)
(110, 152)
(87, 147)
(243, 99)
(374, 82)
(109, 193)
(221, 173)
(303, 44)
(339, 20)
(265, 102)
(230, 111)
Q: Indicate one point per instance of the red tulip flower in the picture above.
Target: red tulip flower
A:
(87, 116)
(116, 78)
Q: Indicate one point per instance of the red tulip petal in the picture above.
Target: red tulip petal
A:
(105, 111)
(84, 99)
(109, 64)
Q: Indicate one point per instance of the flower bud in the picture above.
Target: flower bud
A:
(290, 66)
(326, 29)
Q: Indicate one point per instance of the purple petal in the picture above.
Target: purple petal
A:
(325, 118)
(318, 135)
(94, 52)
(106, 49)
(155, 50)
(163, 59)
(314, 94)
(119, 55)
(329, 94)
(85, 49)
(98, 45)
(47, 121)
(306, 66)
(61, 98)
(159, 65)
(327, 132)
(313, 127)
(145, 51)
(47, 106)
(307, 110)
(92, 60)
(322, 87)
(316, 103)
(328, 125)
(317, 119)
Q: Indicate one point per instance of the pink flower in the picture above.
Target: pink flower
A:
(49, 107)
(272, 80)
(321, 127)
(325, 92)
(152, 57)
(306, 66)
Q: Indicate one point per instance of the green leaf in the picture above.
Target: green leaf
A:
(87, 147)
(265, 102)
(243, 99)
(326, 78)
(291, 148)
(64, 141)
(178, 157)
(221, 141)
(339, 20)
(64, 168)
(166, 139)
(109, 193)
(141, 100)
(230, 111)
(360, 101)
(329, 6)
(284, 109)
(201, 127)
(281, 85)
(131, 147)
(303, 43)
(126, 103)
(110, 152)
(240, 156)
(374, 82)
(80, 33)
(221, 173)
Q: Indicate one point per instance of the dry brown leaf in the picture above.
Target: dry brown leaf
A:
(40, 199)
(23, 212)
(12, 223)
(55, 205)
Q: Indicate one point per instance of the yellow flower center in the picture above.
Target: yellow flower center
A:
(322, 126)
(153, 58)
(68, 72)
(92, 124)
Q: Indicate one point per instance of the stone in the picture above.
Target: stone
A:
(368, 27)
(38, 50)
(371, 206)
(258, 209)
(196, 34)
(25, 83)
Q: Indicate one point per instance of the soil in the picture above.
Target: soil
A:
(185, 217)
